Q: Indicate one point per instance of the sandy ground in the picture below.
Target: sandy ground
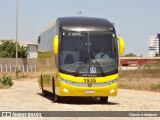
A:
(26, 96)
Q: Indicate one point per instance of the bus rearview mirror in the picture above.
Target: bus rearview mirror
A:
(121, 45)
(56, 44)
(39, 40)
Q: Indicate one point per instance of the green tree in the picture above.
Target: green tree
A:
(130, 55)
(8, 50)
(22, 51)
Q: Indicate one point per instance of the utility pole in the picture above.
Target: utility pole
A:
(16, 39)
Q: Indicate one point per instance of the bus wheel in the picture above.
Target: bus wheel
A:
(57, 98)
(104, 100)
(44, 93)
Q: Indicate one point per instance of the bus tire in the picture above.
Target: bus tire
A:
(57, 98)
(104, 100)
(53, 87)
(44, 93)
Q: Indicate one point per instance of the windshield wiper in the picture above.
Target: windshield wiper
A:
(99, 66)
(79, 69)
(81, 66)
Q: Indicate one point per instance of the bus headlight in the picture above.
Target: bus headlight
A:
(112, 91)
(65, 90)
(65, 81)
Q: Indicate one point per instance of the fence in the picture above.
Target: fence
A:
(23, 68)
(26, 64)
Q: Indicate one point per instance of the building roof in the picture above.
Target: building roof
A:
(21, 43)
(28, 43)
(8, 40)
(138, 58)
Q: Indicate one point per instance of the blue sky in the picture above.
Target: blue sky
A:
(134, 20)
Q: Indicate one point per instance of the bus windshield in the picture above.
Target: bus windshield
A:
(88, 52)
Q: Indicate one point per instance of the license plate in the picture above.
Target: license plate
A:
(89, 91)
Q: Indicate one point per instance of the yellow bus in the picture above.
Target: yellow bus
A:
(84, 53)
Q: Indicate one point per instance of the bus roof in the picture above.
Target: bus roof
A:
(85, 24)
(52, 24)
(81, 24)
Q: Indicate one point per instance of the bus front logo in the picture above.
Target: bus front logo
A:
(89, 84)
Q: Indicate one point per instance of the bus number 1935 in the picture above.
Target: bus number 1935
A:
(90, 80)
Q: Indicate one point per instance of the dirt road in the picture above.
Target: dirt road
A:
(26, 96)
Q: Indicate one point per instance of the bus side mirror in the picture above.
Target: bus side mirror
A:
(39, 40)
(121, 45)
(55, 44)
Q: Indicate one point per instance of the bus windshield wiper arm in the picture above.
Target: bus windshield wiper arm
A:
(99, 66)
(84, 61)
(79, 69)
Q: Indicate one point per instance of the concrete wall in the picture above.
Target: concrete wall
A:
(21, 61)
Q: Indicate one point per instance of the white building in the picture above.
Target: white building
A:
(153, 46)
(32, 48)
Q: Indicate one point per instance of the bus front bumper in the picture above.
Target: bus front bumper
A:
(64, 89)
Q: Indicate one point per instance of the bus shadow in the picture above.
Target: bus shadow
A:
(77, 100)
(84, 101)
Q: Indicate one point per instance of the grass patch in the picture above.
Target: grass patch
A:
(1, 86)
(4, 87)
(146, 79)
(21, 75)
(155, 87)
(134, 83)
(6, 81)
(145, 73)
